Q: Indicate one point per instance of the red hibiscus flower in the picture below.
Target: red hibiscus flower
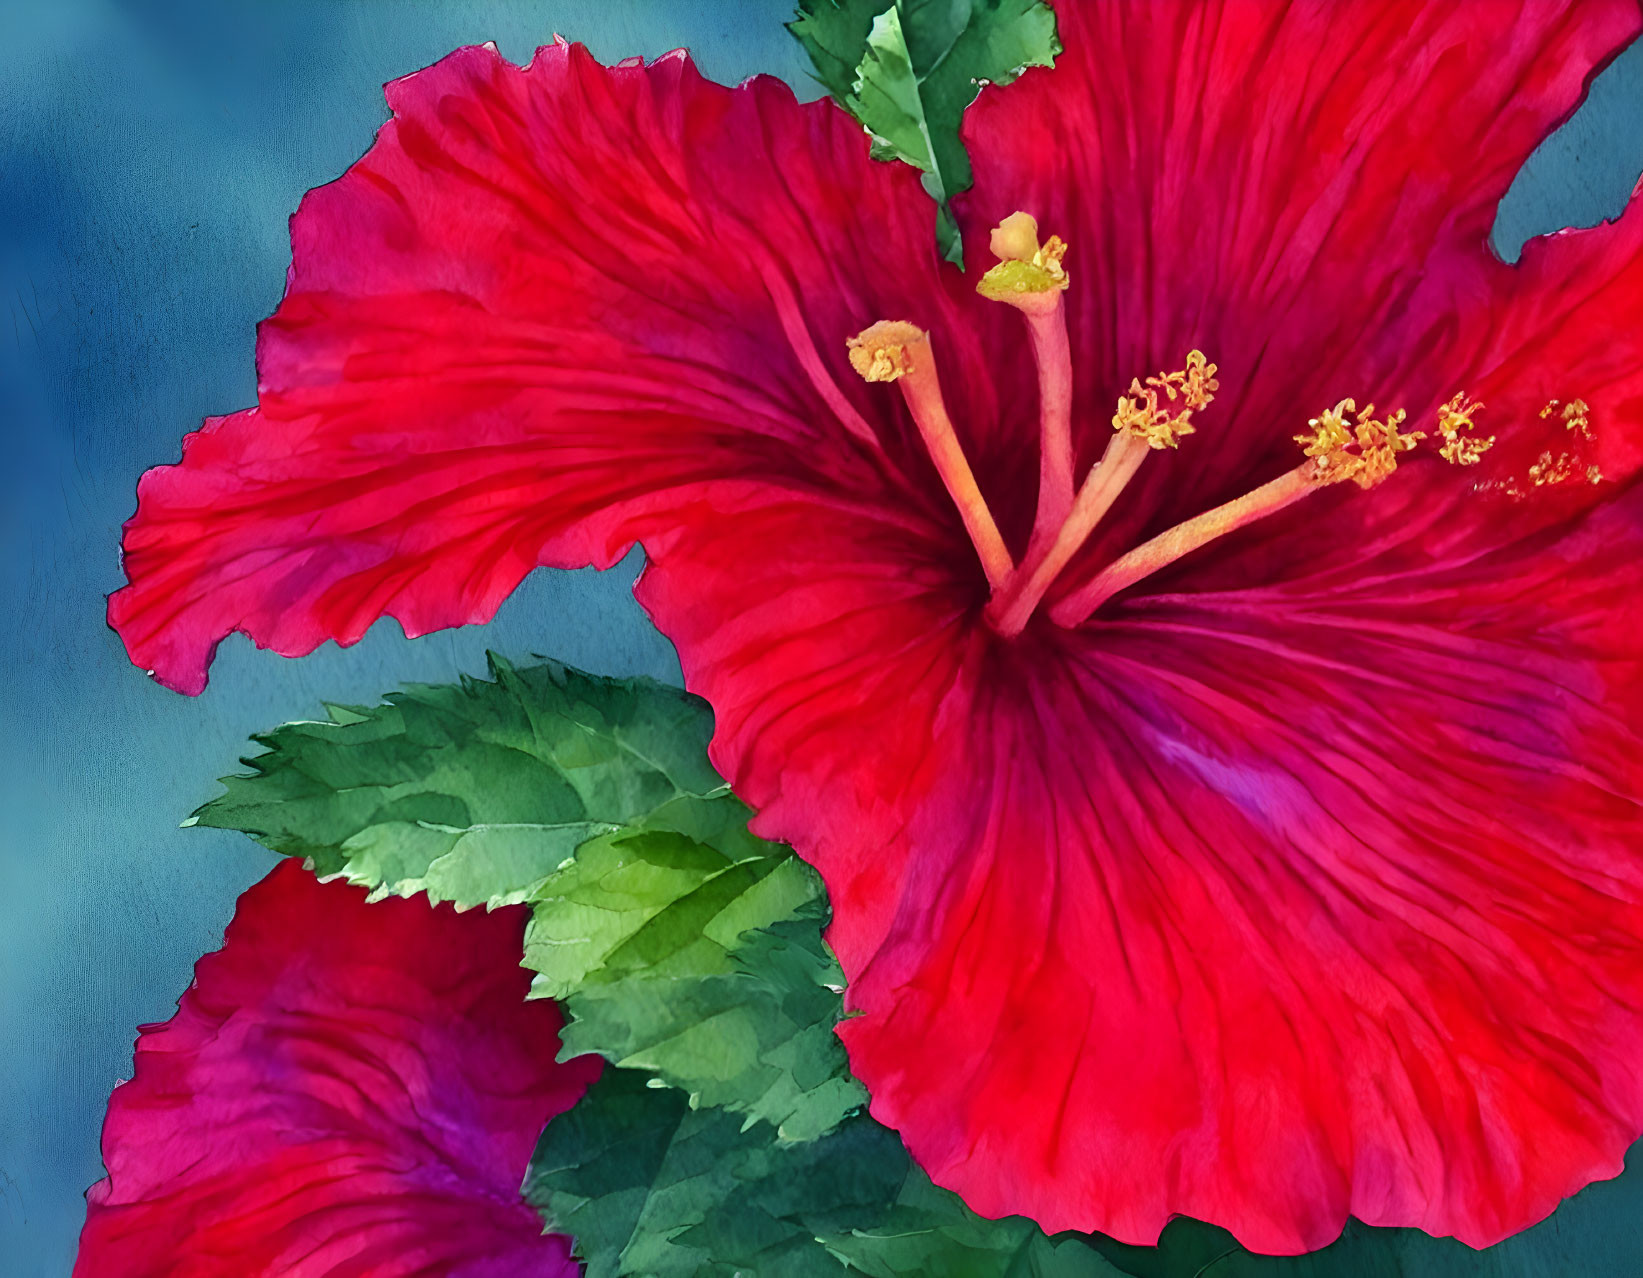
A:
(345, 1089)
(1204, 836)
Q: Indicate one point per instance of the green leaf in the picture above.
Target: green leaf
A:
(678, 942)
(908, 69)
(648, 1185)
(929, 1230)
(661, 879)
(473, 792)
(834, 33)
(683, 945)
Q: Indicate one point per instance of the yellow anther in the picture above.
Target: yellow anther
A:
(1330, 434)
(1346, 443)
(879, 352)
(1028, 274)
(1454, 418)
(1556, 467)
(1049, 257)
(1574, 414)
(1195, 384)
(1561, 469)
(1141, 412)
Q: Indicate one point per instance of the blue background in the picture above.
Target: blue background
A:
(150, 152)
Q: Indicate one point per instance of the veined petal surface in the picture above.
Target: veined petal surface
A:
(346, 1089)
(554, 310)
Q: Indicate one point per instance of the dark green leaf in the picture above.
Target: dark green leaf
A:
(929, 1230)
(648, 1185)
(834, 33)
(908, 70)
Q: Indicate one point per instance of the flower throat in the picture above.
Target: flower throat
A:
(1342, 443)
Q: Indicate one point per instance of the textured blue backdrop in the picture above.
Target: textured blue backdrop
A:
(150, 152)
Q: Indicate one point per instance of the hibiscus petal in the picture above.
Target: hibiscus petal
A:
(553, 310)
(1329, 905)
(345, 1089)
(1304, 884)
(1305, 192)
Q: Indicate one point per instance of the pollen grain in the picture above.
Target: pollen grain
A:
(1576, 415)
(1455, 426)
(1142, 412)
(1560, 469)
(880, 352)
(1346, 442)
(1555, 467)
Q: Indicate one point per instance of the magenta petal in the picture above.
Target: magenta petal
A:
(346, 1089)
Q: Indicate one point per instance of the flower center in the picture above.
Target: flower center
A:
(1340, 444)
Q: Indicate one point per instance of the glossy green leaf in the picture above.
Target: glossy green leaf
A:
(648, 1185)
(909, 69)
(834, 33)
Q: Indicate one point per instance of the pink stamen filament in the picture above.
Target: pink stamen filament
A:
(1030, 277)
(1183, 539)
(922, 390)
(1011, 609)
(1053, 355)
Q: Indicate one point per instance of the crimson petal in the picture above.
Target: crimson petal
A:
(1327, 903)
(345, 1089)
(553, 310)
(1305, 883)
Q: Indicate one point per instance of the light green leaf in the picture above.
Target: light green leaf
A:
(683, 945)
(618, 884)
